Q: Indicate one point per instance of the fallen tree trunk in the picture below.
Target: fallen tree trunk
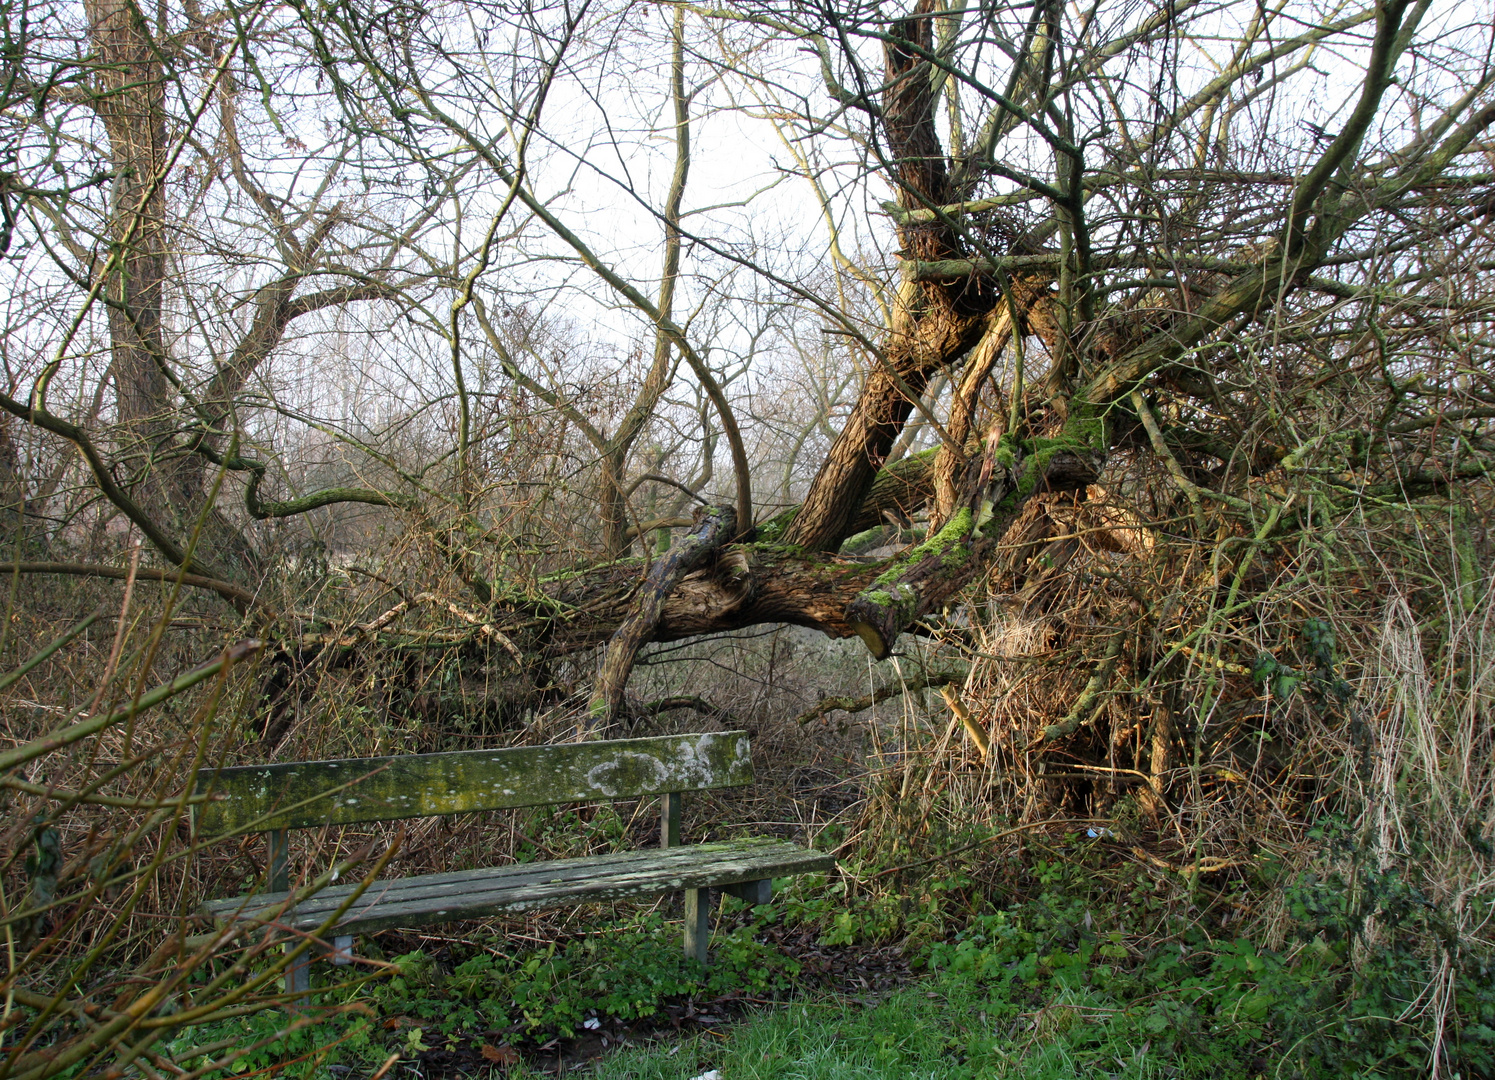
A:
(712, 528)
(765, 582)
(748, 585)
(927, 576)
(757, 583)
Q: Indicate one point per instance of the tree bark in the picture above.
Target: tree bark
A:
(932, 323)
(929, 575)
(948, 465)
(130, 101)
(753, 584)
(747, 585)
(129, 98)
(713, 527)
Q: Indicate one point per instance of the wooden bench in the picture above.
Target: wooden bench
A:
(274, 799)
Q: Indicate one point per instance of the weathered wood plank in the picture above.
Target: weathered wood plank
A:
(628, 865)
(697, 924)
(302, 794)
(437, 898)
(524, 875)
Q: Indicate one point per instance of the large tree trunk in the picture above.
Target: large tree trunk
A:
(933, 323)
(129, 98)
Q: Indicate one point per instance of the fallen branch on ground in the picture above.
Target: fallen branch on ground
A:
(862, 704)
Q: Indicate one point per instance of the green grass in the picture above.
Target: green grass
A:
(949, 1027)
(1072, 980)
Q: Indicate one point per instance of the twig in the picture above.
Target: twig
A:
(56, 740)
(963, 714)
(862, 704)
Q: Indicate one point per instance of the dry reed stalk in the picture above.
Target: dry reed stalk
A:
(978, 737)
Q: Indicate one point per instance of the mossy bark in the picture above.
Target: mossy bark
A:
(998, 485)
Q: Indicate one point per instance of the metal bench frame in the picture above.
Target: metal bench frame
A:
(274, 799)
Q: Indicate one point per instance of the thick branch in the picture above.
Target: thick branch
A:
(937, 569)
(276, 311)
(318, 499)
(713, 528)
(749, 585)
(931, 324)
(1383, 59)
(679, 701)
(242, 599)
(903, 487)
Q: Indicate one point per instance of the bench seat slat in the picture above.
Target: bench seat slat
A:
(436, 898)
(306, 794)
(515, 874)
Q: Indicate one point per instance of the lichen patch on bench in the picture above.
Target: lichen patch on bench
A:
(311, 793)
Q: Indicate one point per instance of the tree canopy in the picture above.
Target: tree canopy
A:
(527, 284)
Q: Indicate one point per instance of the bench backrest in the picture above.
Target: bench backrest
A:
(305, 794)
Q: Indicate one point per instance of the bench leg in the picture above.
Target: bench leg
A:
(669, 819)
(298, 975)
(697, 922)
(342, 950)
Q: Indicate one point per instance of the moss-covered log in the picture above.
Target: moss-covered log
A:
(926, 577)
(749, 584)
(766, 582)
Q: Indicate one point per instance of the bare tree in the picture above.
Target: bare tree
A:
(146, 130)
(1058, 242)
